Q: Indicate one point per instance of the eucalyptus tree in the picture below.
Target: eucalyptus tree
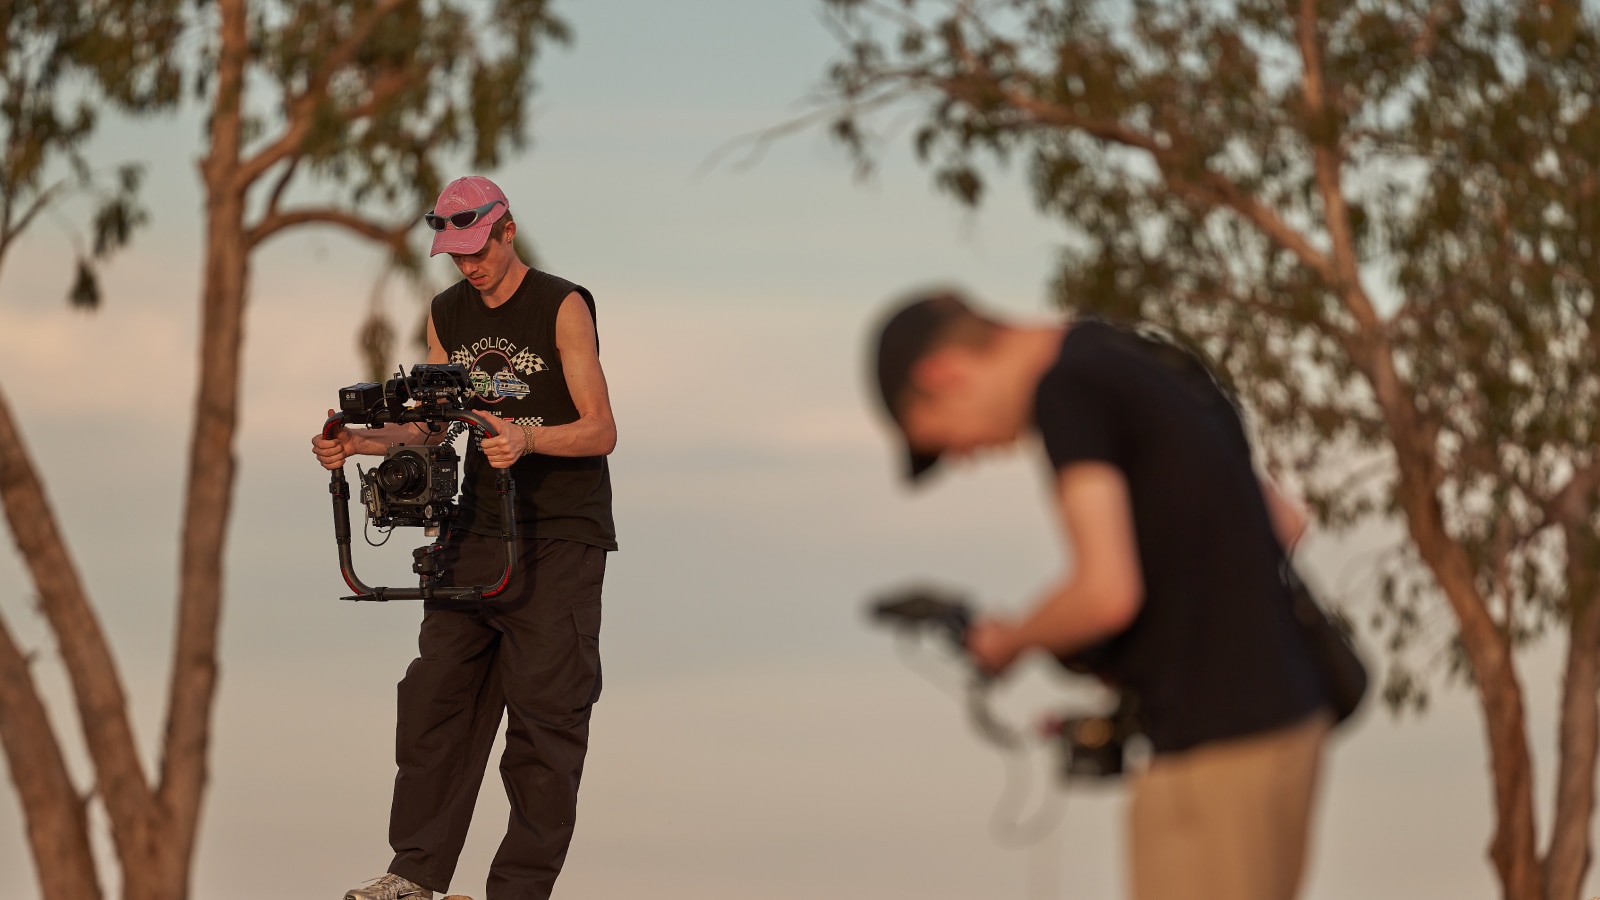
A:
(334, 113)
(1382, 219)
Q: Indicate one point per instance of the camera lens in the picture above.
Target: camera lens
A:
(403, 475)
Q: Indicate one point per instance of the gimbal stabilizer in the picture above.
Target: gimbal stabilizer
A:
(1092, 745)
(425, 558)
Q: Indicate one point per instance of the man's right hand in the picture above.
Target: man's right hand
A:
(331, 452)
(993, 645)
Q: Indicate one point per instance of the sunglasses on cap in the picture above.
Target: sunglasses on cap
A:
(460, 220)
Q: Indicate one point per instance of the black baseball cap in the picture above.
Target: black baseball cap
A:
(905, 337)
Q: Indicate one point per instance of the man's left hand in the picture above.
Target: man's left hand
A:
(993, 645)
(507, 446)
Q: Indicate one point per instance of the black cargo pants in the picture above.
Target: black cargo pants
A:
(537, 656)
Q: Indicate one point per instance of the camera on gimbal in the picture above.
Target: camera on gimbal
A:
(1096, 746)
(415, 485)
(412, 486)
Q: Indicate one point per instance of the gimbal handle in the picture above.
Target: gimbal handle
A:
(925, 607)
(340, 489)
(383, 416)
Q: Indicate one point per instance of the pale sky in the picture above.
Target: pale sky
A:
(755, 738)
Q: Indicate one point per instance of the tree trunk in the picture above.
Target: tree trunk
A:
(208, 504)
(1514, 847)
(58, 828)
(91, 668)
(1578, 734)
(209, 496)
(58, 821)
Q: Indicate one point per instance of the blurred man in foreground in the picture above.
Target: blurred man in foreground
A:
(1176, 595)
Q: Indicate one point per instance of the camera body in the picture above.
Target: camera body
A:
(1095, 747)
(414, 485)
(1101, 746)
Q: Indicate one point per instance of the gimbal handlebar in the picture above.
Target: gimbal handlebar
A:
(1092, 744)
(922, 607)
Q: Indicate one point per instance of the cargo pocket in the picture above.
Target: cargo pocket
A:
(586, 621)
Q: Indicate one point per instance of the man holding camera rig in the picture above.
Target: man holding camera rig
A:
(530, 344)
(1176, 597)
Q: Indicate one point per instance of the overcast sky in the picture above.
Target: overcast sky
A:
(755, 738)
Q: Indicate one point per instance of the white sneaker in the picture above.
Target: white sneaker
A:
(389, 887)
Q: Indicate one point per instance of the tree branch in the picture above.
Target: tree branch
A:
(58, 823)
(391, 235)
(281, 184)
(1323, 124)
(1213, 187)
(1575, 500)
(9, 230)
(389, 85)
(97, 689)
(1571, 504)
(360, 31)
(1219, 190)
(302, 109)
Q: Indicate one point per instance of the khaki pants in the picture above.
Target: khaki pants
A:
(1229, 820)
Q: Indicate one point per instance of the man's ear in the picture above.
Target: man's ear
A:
(511, 231)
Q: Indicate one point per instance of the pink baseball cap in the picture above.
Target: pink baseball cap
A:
(463, 195)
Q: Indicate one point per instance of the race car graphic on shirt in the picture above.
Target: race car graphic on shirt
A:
(496, 368)
(507, 384)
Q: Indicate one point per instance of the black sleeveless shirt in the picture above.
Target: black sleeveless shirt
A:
(510, 354)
